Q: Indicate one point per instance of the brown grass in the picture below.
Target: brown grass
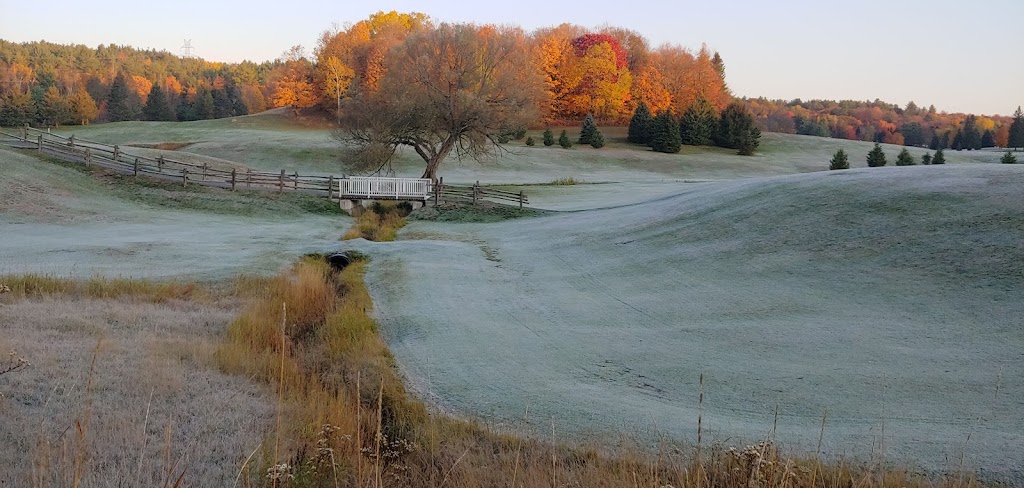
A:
(379, 223)
(348, 421)
(40, 286)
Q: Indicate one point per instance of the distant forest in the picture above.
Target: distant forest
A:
(606, 72)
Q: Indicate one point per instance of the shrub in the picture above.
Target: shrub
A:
(939, 158)
(1008, 158)
(530, 141)
(504, 138)
(563, 140)
(904, 158)
(520, 133)
(926, 159)
(549, 137)
(876, 157)
(839, 161)
(736, 130)
(597, 140)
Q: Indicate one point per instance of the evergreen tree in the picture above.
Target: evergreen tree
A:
(958, 141)
(988, 139)
(839, 161)
(84, 107)
(530, 142)
(597, 140)
(926, 158)
(54, 108)
(665, 134)
(939, 157)
(736, 130)
(563, 140)
(587, 130)
(945, 141)
(971, 137)
(16, 109)
(935, 142)
(698, 123)
(1016, 139)
(549, 137)
(904, 158)
(204, 105)
(186, 111)
(118, 108)
(876, 157)
(640, 125)
(222, 106)
(1008, 158)
(157, 107)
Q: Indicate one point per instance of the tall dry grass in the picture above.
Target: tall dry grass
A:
(39, 285)
(346, 419)
(380, 222)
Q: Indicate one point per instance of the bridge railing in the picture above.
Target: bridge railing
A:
(371, 187)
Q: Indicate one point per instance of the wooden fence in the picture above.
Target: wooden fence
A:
(113, 158)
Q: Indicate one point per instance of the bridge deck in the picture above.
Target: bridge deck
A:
(381, 188)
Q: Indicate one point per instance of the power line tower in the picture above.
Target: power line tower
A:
(187, 49)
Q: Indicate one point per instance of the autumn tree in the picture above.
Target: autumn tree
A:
(587, 130)
(16, 109)
(839, 161)
(939, 157)
(84, 107)
(665, 134)
(904, 158)
(640, 125)
(292, 82)
(55, 109)
(453, 88)
(336, 78)
(1016, 136)
(698, 123)
(876, 157)
(736, 130)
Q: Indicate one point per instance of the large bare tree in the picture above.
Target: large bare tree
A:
(455, 88)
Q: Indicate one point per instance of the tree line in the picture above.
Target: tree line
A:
(700, 125)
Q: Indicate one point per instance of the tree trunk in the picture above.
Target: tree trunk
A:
(435, 161)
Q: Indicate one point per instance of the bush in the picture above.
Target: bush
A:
(549, 137)
(520, 133)
(736, 130)
(563, 140)
(530, 141)
(876, 157)
(597, 140)
(504, 138)
(926, 159)
(1008, 158)
(939, 158)
(904, 158)
(839, 161)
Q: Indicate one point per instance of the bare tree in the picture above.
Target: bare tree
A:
(453, 88)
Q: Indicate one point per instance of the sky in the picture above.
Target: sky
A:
(960, 56)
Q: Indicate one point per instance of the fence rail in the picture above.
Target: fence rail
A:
(113, 158)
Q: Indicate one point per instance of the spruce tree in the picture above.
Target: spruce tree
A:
(839, 161)
(204, 105)
(939, 157)
(1008, 158)
(958, 141)
(156, 107)
(530, 142)
(186, 111)
(597, 140)
(549, 137)
(935, 142)
(926, 159)
(904, 158)
(587, 129)
(1016, 139)
(640, 125)
(698, 123)
(971, 136)
(118, 108)
(665, 135)
(988, 139)
(876, 157)
(563, 140)
(736, 130)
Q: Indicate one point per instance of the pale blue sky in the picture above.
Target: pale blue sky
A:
(959, 55)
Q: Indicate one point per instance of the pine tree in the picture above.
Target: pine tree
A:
(665, 135)
(988, 139)
(597, 140)
(587, 129)
(939, 157)
(118, 108)
(839, 161)
(186, 111)
(876, 157)
(1008, 158)
(971, 137)
(549, 137)
(935, 142)
(736, 130)
(156, 107)
(563, 140)
(926, 159)
(958, 141)
(1016, 139)
(904, 158)
(530, 142)
(204, 105)
(640, 125)
(698, 123)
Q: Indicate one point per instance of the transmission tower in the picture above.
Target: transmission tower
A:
(187, 49)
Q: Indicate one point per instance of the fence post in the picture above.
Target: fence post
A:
(160, 163)
(248, 177)
(232, 179)
(205, 167)
(520, 199)
(71, 140)
(296, 182)
(117, 152)
(184, 177)
(136, 168)
(40, 142)
(88, 156)
(280, 182)
(24, 132)
(476, 188)
(330, 187)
